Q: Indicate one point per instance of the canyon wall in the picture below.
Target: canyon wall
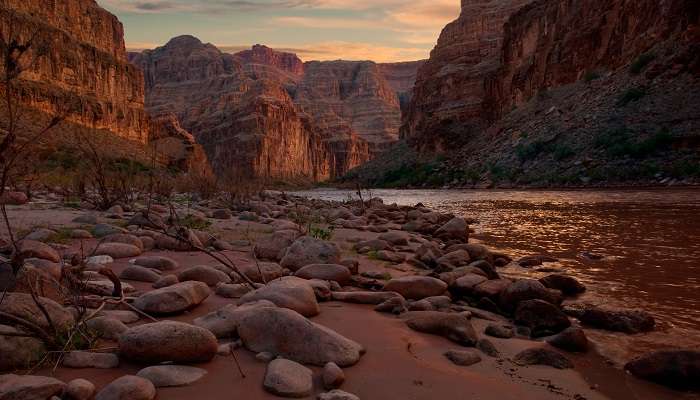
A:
(85, 68)
(553, 43)
(450, 87)
(81, 71)
(267, 113)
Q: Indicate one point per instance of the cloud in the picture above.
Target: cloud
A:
(202, 6)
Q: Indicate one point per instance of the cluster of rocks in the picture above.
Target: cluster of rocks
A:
(446, 282)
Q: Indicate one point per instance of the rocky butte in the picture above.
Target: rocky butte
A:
(86, 74)
(267, 112)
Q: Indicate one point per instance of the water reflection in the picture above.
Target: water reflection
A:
(650, 240)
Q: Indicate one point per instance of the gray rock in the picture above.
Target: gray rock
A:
(223, 323)
(172, 375)
(287, 378)
(232, 291)
(202, 273)
(464, 358)
(173, 299)
(333, 376)
(327, 272)
(337, 395)
(29, 387)
(455, 327)
(102, 230)
(542, 356)
(128, 387)
(273, 247)
(288, 334)
(157, 262)
(308, 250)
(416, 287)
(165, 281)
(106, 327)
(34, 249)
(79, 389)
(139, 274)
(18, 352)
(500, 331)
(168, 341)
(288, 292)
(84, 359)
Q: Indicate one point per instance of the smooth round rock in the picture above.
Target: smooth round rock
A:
(287, 378)
(168, 341)
(172, 375)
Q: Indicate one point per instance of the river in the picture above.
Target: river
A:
(649, 241)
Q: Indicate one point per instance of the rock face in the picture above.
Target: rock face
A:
(85, 70)
(530, 85)
(450, 87)
(330, 116)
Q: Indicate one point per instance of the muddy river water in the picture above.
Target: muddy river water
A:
(649, 241)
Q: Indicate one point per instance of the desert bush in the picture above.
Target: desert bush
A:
(591, 76)
(620, 143)
(641, 62)
(630, 95)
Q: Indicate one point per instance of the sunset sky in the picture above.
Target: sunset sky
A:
(379, 30)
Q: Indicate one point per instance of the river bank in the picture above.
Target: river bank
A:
(377, 252)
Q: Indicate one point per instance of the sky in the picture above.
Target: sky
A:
(378, 30)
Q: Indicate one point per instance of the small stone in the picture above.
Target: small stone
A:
(333, 376)
(172, 375)
(487, 347)
(287, 378)
(128, 387)
(499, 331)
(84, 359)
(542, 356)
(337, 395)
(139, 274)
(464, 358)
(570, 339)
(79, 389)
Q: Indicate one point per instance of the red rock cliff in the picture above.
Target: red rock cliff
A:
(86, 66)
(450, 87)
(556, 42)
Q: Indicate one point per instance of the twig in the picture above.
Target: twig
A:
(233, 354)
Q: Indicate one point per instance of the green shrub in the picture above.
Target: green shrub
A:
(562, 152)
(591, 76)
(630, 95)
(619, 143)
(641, 62)
(530, 151)
(322, 233)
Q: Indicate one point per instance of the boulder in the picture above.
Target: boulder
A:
(455, 229)
(361, 297)
(521, 290)
(128, 387)
(157, 262)
(288, 334)
(232, 290)
(171, 375)
(34, 249)
(568, 285)
(541, 317)
(14, 199)
(394, 305)
(167, 341)
(395, 238)
(627, 321)
(79, 389)
(221, 214)
(18, 352)
(333, 376)
(106, 327)
(500, 331)
(308, 250)
(326, 272)
(464, 286)
(289, 292)
(273, 247)
(102, 230)
(165, 281)
(85, 359)
(337, 395)
(124, 238)
(50, 268)
(40, 235)
(260, 272)
(29, 387)
(455, 259)
(287, 378)
(223, 323)
(455, 327)
(463, 358)
(117, 250)
(542, 356)
(173, 299)
(678, 369)
(491, 289)
(570, 339)
(23, 306)
(416, 287)
(203, 273)
(139, 274)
